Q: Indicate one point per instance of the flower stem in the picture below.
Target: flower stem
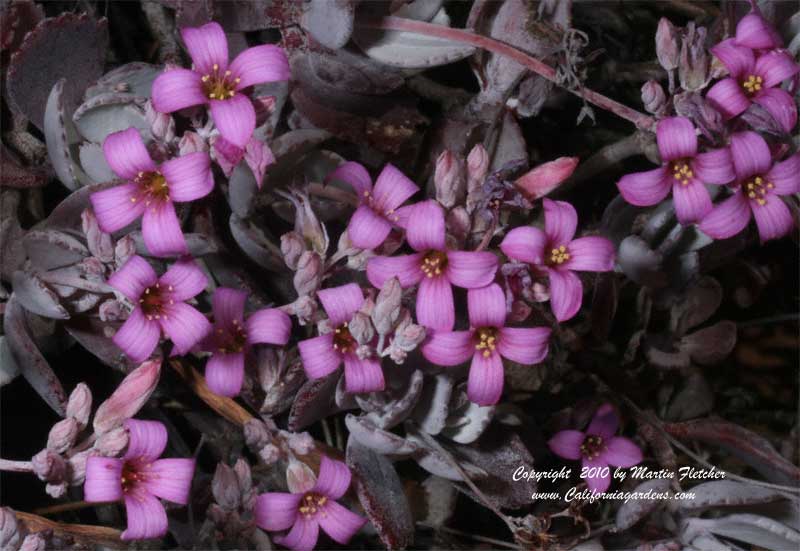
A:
(641, 120)
(16, 466)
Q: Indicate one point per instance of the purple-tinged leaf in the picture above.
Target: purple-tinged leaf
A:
(640, 263)
(635, 510)
(8, 365)
(330, 22)
(59, 134)
(314, 401)
(259, 247)
(366, 433)
(50, 249)
(397, 410)
(753, 529)
(255, 15)
(12, 253)
(710, 345)
(15, 175)
(433, 406)
(35, 296)
(433, 461)
(17, 18)
(95, 336)
(727, 493)
(699, 303)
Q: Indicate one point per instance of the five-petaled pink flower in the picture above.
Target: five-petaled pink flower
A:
(377, 211)
(487, 341)
(754, 80)
(433, 266)
(597, 448)
(149, 191)
(758, 187)
(685, 172)
(159, 306)
(555, 252)
(232, 337)
(140, 478)
(322, 355)
(216, 83)
(307, 511)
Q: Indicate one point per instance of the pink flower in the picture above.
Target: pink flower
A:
(324, 354)
(232, 337)
(685, 172)
(754, 80)
(433, 266)
(159, 306)
(376, 214)
(597, 448)
(306, 512)
(149, 191)
(140, 478)
(216, 83)
(758, 187)
(487, 341)
(555, 252)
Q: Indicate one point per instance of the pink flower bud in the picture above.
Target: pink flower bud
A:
(258, 157)
(49, 466)
(305, 308)
(543, 179)
(63, 434)
(191, 142)
(693, 69)
(477, 165)
(308, 225)
(308, 276)
(112, 443)
(387, 306)
(300, 443)
(123, 250)
(449, 179)
(225, 487)
(269, 454)
(653, 97)
(162, 125)
(9, 529)
(32, 542)
(667, 47)
(292, 246)
(361, 328)
(111, 310)
(128, 398)
(243, 475)
(76, 467)
(98, 242)
(299, 476)
(79, 406)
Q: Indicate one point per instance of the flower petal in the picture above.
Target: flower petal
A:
(560, 221)
(161, 231)
(184, 325)
(727, 218)
(590, 254)
(138, 336)
(772, 218)
(524, 345)
(146, 440)
(319, 357)
(276, 510)
(340, 303)
(753, 31)
(714, 167)
(228, 305)
(133, 278)
(567, 444)
(485, 382)
(117, 206)
(780, 105)
(566, 294)
(170, 479)
(362, 375)
(597, 483)
(146, 517)
(727, 97)
(188, 177)
(339, 523)
(605, 422)
(622, 452)
(259, 64)
(235, 118)
(404, 268)
(392, 189)
(525, 244)
(487, 306)
(425, 229)
(186, 279)
(738, 59)
(449, 348)
(177, 89)
(692, 201)
(676, 138)
(367, 229)
(785, 175)
(750, 154)
(355, 175)
(334, 478)
(645, 188)
(207, 46)
(303, 535)
(268, 326)
(126, 154)
(225, 373)
(435, 308)
(775, 67)
(103, 479)
(471, 269)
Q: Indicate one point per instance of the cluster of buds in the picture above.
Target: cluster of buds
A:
(684, 50)
(272, 444)
(234, 497)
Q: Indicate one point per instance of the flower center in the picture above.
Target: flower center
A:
(682, 172)
(131, 476)
(752, 84)
(153, 301)
(233, 340)
(756, 189)
(592, 446)
(313, 503)
(370, 201)
(343, 341)
(487, 341)
(434, 263)
(558, 255)
(152, 187)
(218, 85)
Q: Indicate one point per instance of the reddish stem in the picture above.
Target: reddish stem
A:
(641, 120)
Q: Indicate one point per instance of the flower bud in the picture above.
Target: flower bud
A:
(693, 69)
(292, 247)
(9, 529)
(300, 443)
(227, 155)
(191, 142)
(225, 487)
(477, 169)
(408, 336)
(448, 178)
(387, 306)
(265, 106)
(76, 467)
(123, 250)
(653, 97)
(299, 476)
(361, 328)
(56, 490)
(112, 443)
(269, 454)
(111, 310)
(243, 475)
(49, 466)
(667, 47)
(79, 406)
(305, 308)
(256, 434)
(162, 125)
(98, 242)
(459, 225)
(308, 276)
(546, 177)
(63, 434)
(33, 542)
(694, 106)
(128, 398)
(308, 225)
